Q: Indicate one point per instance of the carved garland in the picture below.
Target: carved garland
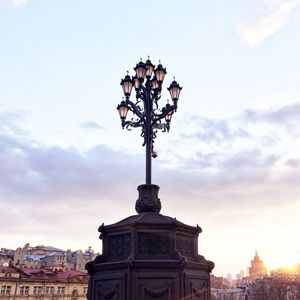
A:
(157, 293)
(199, 292)
(108, 294)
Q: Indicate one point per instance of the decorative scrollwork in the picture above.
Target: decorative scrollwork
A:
(185, 246)
(148, 86)
(133, 123)
(163, 127)
(119, 245)
(147, 110)
(153, 244)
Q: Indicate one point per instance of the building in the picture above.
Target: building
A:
(229, 294)
(78, 259)
(34, 284)
(241, 275)
(263, 288)
(274, 288)
(229, 277)
(219, 282)
(293, 271)
(48, 257)
(257, 268)
(6, 256)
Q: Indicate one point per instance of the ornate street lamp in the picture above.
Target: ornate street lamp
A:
(147, 83)
(149, 255)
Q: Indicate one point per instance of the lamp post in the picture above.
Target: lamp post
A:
(147, 83)
(149, 255)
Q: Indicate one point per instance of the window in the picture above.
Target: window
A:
(37, 290)
(49, 290)
(60, 290)
(85, 289)
(5, 290)
(74, 294)
(24, 290)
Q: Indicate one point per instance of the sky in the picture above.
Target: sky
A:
(231, 161)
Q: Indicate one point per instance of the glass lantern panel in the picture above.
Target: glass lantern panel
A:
(154, 84)
(174, 92)
(140, 72)
(149, 70)
(127, 86)
(123, 110)
(169, 117)
(160, 74)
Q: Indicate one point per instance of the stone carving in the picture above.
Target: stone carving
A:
(153, 243)
(185, 246)
(119, 245)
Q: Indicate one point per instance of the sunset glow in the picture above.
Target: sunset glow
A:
(289, 264)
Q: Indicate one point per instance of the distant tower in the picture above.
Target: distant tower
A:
(257, 267)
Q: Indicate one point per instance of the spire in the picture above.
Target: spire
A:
(256, 254)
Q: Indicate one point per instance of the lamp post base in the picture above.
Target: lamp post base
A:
(148, 199)
(149, 256)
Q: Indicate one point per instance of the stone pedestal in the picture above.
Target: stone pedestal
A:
(149, 256)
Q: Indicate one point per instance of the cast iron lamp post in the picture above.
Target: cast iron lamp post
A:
(146, 112)
(149, 255)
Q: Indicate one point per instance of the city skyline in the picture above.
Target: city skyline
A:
(230, 162)
(34, 260)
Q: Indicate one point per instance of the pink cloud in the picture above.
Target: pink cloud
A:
(275, 15)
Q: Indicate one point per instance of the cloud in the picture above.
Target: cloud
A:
(31, 170)
(49, 186)
(225, 174)
(19, 3)
(282, 115)
(279, 122)
(255, 144)
(274, 16)
(293, 162)
(91, 125)
(206, 149)
(215, 131)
